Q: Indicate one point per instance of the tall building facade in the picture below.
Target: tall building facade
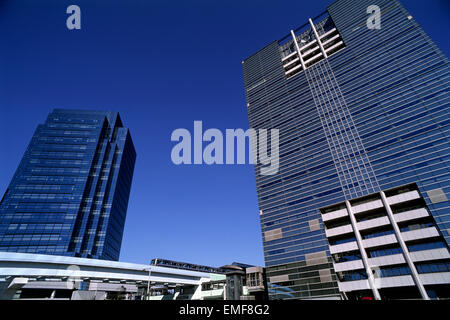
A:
(69, 195)
(359, 208)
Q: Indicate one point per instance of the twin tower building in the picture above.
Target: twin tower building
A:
(359, 207)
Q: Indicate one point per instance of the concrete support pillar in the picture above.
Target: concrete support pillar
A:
(298, 49)
(405, 250)
(318, 39)
(364, 257)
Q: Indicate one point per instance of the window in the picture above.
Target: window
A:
(426, 246)
(253, 279)
(384, 252)
(352, 275)
(431, 267)
(393, 271)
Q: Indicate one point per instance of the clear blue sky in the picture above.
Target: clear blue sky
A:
(162, 65)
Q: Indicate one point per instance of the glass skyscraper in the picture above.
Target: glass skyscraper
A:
(359, 208)
(69, 195)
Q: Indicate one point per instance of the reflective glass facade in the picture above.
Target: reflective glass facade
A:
(69, 195)
(357, 117)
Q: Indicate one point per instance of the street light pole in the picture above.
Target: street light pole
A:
(148, 282)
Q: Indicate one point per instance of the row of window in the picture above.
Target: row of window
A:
(213, 285)
(52, 179)
(37, 226)
(67, 132)
(44, 196)
(426, 246)
(34, 237)
(308, 245)
(352, 275)
(38, 217)
(338, 241)
(416, 226)
(393, 271)
(57, 154)
(428, 267)
(338, 258)
(383, 252)
(297, 256)
(48, 187)
(29, 206)
(57, 162)
(431, 267)
(391, 251)
(378, 234)
(65, 147)
(34, 249)
(53, 170)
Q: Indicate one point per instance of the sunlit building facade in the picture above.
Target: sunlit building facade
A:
(359, 208)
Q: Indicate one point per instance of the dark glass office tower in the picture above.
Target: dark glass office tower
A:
(69, 195)
(359, 208)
